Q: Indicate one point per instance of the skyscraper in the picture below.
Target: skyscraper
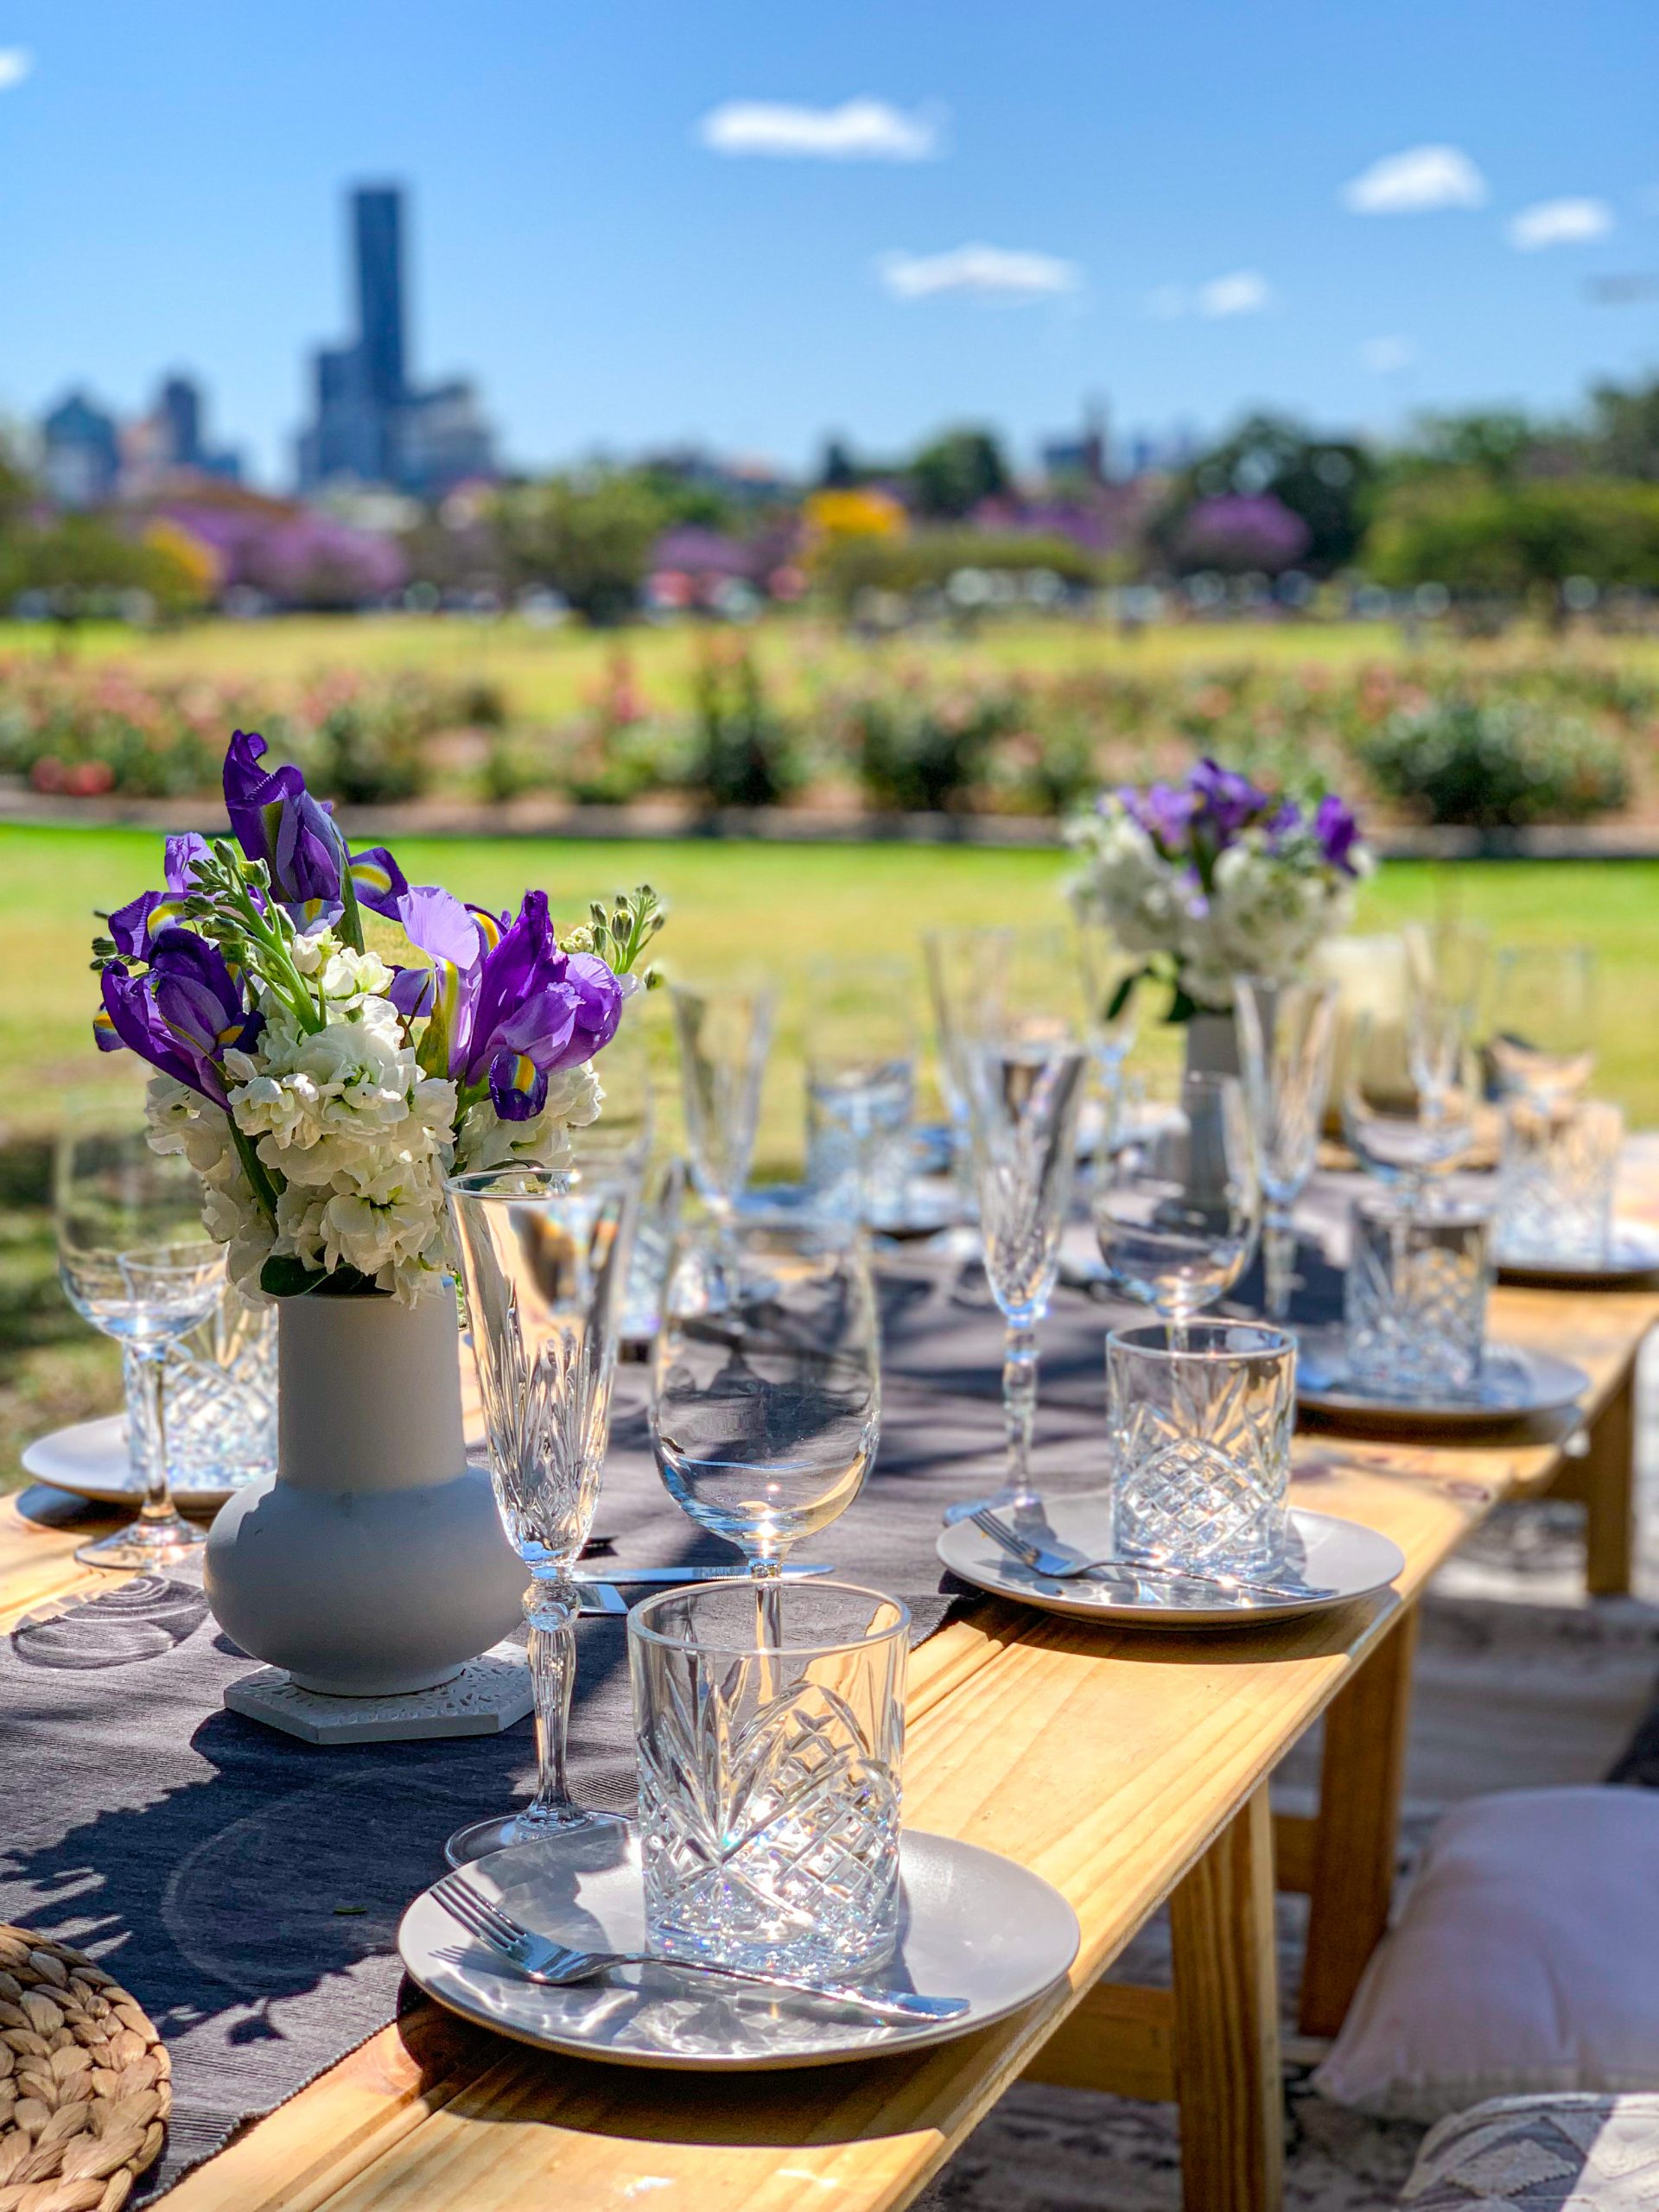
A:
(371, 424)
(377, 248)
(178, 409)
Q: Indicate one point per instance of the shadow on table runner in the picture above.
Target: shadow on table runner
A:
(941, 1334)
(247, 1887)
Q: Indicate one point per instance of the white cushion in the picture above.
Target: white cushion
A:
(1526, 1958)
(1541, 2154)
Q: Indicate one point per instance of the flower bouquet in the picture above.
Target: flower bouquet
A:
(332, 1042)
(1215, 877)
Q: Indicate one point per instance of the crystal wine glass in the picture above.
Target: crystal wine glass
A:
(967, 976)
(724, 1034)
(766, 1390)
(1286, 1033)
(1543, 1020)
(136, 1262)
(1177, 1202)
(544, 1255)
(860, 1085)
(1026, 1098)
(1408, 1117)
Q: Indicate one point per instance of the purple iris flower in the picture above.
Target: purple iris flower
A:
(1231, 801)
(513, 1009)
(182, 1016)
(275, 819)
(132, 926)
(1337, 831)
(1164, 811)
(536, 1010)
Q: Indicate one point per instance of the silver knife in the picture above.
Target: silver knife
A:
(671, 1574)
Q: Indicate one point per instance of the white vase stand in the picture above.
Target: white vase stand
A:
(482, 1697)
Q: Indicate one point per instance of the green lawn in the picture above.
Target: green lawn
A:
(734, 905)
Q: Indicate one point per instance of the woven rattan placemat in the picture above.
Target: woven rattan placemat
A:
(84, 2081)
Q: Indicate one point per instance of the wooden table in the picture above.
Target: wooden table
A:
(1127, 1770)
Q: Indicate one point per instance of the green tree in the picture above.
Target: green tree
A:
(86, 566)
(1623, 436)
(1492, 442)
(587, 535)
(1476, 536)
(953, 474)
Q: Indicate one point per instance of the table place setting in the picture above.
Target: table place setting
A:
(437, 1150)
(766, 1908)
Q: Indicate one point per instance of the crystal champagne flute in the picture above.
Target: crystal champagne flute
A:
(724, 1034)
(544, 1255)
(1286, 1033)
(1026, 1098)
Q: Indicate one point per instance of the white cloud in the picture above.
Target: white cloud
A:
(1560, 222)
(1386, 356)
(990, 271)
(857, 131)
(1420, 178)
(15, 62)
(1242, 292)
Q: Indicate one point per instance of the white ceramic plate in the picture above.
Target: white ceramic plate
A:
(90, 1460)
(1514, 1384)
(975, 1925)
(1323, 1555)
(1632, 1256)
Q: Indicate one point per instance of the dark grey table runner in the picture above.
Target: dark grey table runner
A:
(247, 1887)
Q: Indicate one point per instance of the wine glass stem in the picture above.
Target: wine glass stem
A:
(1020, 1409)
(766, 1570)
(1279, 1262)
(549, 1612)
(158, 1495)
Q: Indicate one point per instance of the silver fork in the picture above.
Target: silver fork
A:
(1066, 1567)
(539, 1960)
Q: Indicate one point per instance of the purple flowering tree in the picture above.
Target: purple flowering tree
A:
(1238, 531)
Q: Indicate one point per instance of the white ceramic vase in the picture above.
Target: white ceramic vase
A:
(373, 1563)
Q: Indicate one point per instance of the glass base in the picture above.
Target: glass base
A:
(504, 1833)
(142, 1544)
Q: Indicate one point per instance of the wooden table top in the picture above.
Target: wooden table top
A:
(1105, 1761)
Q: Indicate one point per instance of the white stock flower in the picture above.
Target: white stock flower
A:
(356, 1138)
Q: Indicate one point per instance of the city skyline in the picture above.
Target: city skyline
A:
(750, 234)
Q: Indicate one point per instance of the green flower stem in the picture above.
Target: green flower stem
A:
(254, 1168)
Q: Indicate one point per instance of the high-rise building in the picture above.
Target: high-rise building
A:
(178, 411)
(80, 453)
(370, 424)
(378, 250)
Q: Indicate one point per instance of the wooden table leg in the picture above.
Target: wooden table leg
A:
(1607, 1474)
(1356, 1836)
(1227, 2021)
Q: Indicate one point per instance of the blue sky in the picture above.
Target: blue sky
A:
(1162, 189)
